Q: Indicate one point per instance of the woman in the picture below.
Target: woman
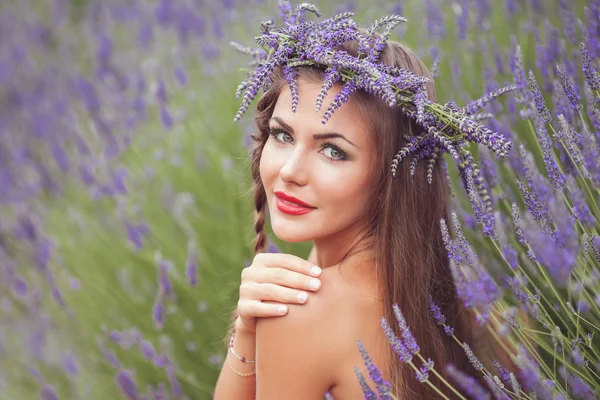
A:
(376, 238)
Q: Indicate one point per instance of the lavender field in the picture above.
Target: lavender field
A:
(126, 218)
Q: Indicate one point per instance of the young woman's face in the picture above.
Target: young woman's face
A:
(325, 166)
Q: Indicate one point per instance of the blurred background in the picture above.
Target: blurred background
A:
(125, 213)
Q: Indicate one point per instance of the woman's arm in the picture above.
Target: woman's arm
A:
(230, 385)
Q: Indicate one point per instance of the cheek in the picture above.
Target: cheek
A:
(269, 168)
(348, 191)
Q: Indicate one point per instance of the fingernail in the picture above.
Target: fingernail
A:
(315, 283)
(281, 310)
(316, 271)
(302, 297)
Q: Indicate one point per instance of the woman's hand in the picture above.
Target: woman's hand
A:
(276, 277)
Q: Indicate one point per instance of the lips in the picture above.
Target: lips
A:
(291, 205)
(292, 199)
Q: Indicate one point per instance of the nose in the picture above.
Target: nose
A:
(295, 169)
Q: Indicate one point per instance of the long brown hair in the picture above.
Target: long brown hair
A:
(403, 221)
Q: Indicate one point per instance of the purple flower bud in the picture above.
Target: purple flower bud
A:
(180, 75)
(591, 75)
(111, 357)
(467, 384)
(161, 91)
(165, 117)
(127, 384)
(48, 393)
(147, 350)
(403, 354)
(175, 385)
(164, 282)
(409, 340)
(472, 357)
(369, 394)
(569, 89)
(383, 386)
(191, 265)
(158, 312)
(70, 364)
(20, 286)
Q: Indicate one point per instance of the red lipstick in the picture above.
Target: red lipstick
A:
(291, 205)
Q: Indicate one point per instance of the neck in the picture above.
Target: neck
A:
(348, 246)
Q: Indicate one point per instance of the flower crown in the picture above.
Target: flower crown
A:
(447, 128)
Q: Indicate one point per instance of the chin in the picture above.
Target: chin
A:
(291, 231)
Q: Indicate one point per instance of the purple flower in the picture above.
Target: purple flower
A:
(367, 391)
(556, 177)
(290, 76)
(463, 20)
(70, 364)
(164, 282)
(538, 99)
(569, 89)
(504, 373)
(403, 354)
(175, 385)
(467, 384)
(423, 373)
(127, 384)
(591, 75)
(472, 357)
(147, 350)
(48, 393)
(191, 267)
(158, 311)
(438, 316)
(20, 286)
(383, 386)
(409, 340)
(180, 75)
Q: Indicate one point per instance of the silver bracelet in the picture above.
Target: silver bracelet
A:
(242, 359)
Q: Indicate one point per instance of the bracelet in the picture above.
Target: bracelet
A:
(234, 370)
(242, 359)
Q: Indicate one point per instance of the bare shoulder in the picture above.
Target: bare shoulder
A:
(358, 309)
(313, 348)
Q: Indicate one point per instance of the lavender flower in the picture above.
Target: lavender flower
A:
(472, 357)
(591, 75)
(557, 178)
(569, 89)
(383, 386)
(127, 384)
(438, 316)
(191, 265)
(158, 311)
(290, 76)
(164, 282)
(467, 383)
(542, 110)
(48, 393)
(403, 353)
(423, 373)
(367, 391)
(409, 340)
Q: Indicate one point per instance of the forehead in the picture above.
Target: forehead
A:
(346, 120)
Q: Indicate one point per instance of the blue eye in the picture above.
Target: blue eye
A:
(276, 134)
(335, 154)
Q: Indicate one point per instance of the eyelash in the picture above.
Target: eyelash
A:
(273, 132)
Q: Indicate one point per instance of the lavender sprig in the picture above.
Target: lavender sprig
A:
(383, 386)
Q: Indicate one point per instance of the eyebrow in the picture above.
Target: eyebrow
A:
(326, 135)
